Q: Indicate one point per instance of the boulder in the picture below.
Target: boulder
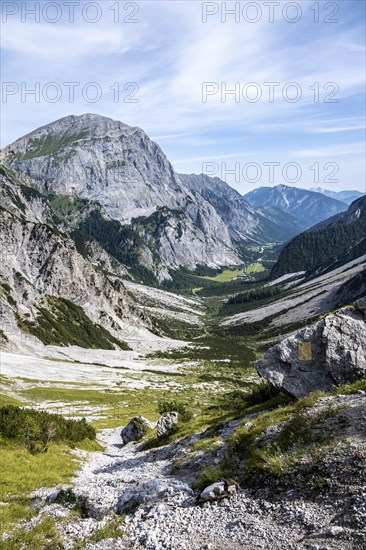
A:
(329, 353)
(166, 423)
(218, 491)
(150, 493)
(135, 429)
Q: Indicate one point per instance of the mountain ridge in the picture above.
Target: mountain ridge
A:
(308, 207)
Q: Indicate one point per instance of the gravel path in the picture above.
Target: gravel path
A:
(174, 521)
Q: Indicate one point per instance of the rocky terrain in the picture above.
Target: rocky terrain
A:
(282, 473)
(312, 508)
(105, 161)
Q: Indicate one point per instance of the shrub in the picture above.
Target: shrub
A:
(212, 474)
(36, 429)
(185, 414)
(62, 323)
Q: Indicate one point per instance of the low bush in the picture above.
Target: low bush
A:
(36, 429)
(185, 414)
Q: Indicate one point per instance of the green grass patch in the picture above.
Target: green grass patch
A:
(8, 400)
(225, 276)
(347, 389)
(255, 268)
(49, 145)
(23, 472)
(44, 536)
(61, 322)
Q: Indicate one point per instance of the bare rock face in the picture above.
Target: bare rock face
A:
(166, 423)
(99, 159)
(135, 429)
(329, 353)
(39, 260)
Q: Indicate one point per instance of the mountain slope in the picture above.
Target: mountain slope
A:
(345, 196)
(90, 157)
(65, 277)
(48, 289)
(98, 159)
(242, 220)
(307, 206)
(331, 244)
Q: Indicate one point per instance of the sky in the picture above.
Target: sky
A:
(255, 92)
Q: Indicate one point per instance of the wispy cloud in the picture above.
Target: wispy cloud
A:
(170, 53)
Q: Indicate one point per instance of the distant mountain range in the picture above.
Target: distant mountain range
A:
(344, 196)
(306, 207)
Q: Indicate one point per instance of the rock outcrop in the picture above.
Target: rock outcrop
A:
(329, 353)
(166, 423)
(135, 429)
(40, 261)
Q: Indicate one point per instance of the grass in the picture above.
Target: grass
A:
(8, 400)
(21, 474)
(49, 145)
(44, 536)
(255, 268)
(347, 389)
(225, 276)
(114, 529)
(299, 434)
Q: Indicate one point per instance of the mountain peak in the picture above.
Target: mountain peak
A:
(88, 125)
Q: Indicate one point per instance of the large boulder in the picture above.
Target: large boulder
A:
(319, 357)
(135, 429)
(166, 423)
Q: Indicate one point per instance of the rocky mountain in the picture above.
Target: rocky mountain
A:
(242, 220)
(345, 196)
(307, 206)
(180, 220)
(47, 286)
(328, 245)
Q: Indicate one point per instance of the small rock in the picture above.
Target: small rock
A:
(334, 530)
(218, 491)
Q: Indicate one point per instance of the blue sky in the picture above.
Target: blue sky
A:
(169, 54)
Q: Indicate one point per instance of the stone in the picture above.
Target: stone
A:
(135, 429)
(218, 491)
(166, 423)
(334, 530)
(329, 353)
(150, 493)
